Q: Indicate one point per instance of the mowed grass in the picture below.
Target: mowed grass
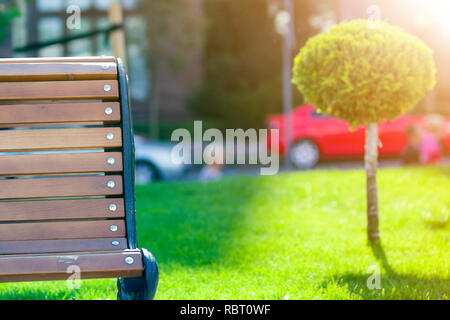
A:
(291, 236)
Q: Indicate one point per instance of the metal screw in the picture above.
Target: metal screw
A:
(113, 228)
(111, 184)
(112, 207)
(108, 110)
(129, 260)
(110, 136)
(115, 243)
(111, 161)
(107, 87)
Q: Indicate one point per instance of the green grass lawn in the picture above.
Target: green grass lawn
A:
(291, 236)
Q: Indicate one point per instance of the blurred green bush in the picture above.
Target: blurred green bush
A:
(6, 16)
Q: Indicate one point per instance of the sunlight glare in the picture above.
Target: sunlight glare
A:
(436, 12)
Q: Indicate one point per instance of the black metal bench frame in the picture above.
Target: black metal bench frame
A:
(143, 288)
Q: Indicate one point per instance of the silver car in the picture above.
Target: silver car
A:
(153, 161)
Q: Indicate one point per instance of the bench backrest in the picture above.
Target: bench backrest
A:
(66, 156)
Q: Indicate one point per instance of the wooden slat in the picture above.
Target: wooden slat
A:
(59, 59)
(61, 209)
(50, 125)
(57, 71)
(58, 139)
(58, 90)
(61, 230)
(68, 245)
(59, 187)
(34, 164)
(55, 266)
(59, 113)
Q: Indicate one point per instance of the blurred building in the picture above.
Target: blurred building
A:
(45, 20)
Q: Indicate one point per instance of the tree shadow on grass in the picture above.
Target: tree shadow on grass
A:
(380, 255)
(190, 224)
(394, 286)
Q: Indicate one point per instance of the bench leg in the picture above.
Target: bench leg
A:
(142, 288)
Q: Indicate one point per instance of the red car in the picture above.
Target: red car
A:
(316, 136)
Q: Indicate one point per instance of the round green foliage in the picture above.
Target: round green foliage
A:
(364, 71)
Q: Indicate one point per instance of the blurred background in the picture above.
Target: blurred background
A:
(211, 60)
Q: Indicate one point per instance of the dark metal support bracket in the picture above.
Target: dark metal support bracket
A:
(128, 157)
(142, 288)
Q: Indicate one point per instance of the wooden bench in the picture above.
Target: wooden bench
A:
(67, 175)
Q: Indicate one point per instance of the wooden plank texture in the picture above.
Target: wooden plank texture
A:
(67, 245)
(58, 90)
(34, 164)
(59, 59)
(56, 266)
(61, 230)
(62, 209)
(59, 187)
(57, 71)
(43, 113)
(58, 139)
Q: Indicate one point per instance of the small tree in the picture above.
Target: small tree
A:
(365, 72)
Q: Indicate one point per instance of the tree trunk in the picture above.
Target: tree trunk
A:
(371, 164)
